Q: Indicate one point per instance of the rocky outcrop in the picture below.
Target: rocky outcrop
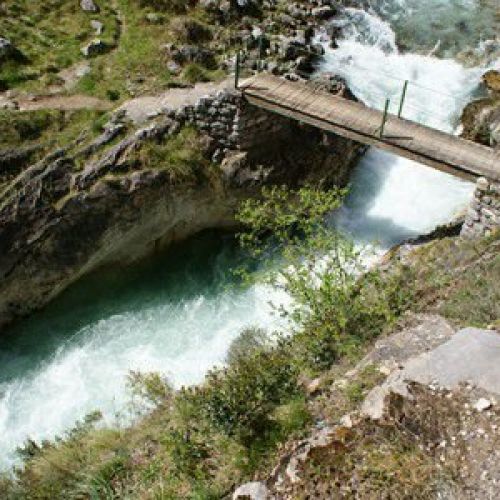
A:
(75, 211)
(481, 118)
(469, 356)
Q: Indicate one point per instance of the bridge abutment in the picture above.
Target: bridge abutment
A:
(483, 216)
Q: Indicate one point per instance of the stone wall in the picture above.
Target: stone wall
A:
(231, 123)
(252, 144)
(483, 215)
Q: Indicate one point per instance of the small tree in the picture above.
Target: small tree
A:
(332, 309)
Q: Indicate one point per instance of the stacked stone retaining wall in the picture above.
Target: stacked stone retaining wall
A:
(483, 215)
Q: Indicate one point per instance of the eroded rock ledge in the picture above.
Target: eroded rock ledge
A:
(107, 203)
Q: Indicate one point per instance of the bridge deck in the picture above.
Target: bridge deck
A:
(355, 121)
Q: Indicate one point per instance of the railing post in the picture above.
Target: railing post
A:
(237, 70)
(261, 45)
(384, 118)
(403, 96)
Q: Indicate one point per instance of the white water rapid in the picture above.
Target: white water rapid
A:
(176, 315)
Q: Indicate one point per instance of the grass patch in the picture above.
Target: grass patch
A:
(180, 156)
(49, 34)
(50, 127)
(41, 132)
(457, 279)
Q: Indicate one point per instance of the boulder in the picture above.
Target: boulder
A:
(323, 13)
(7, 49)
(89, 6)
(255, 490)
(94, 48)
(492, 81)
(97, 26)
(470, 356)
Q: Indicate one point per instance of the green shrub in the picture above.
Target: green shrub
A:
(336, 305)
(239, 401)
(18, 127)
(112, 94)
(249, 341)
(194, 73)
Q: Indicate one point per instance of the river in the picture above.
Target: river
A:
(178, 313)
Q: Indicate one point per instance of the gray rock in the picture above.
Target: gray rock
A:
(482, 184)
(97, 26)
(173, 67)
(469, 356)
(323, 13)
(94, 48)
(194, 54)
(89, 6)
(154, 18)
(251, 491)
(7, 49)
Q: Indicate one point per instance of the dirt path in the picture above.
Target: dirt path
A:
(140, 108)
(66, 103)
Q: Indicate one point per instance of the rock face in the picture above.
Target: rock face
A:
(492, 81)
(251, 491)
(481, 118)
(59, 222)
(425, 403)
(470, 356)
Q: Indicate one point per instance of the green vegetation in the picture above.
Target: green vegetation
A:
(332, 311)
(200, 442)
(52, 128)
(28, 136)
(139, 63)
(49, 35)
(180, 156)
(457, 279)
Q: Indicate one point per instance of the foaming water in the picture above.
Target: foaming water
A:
(393, 198)
(176, 314)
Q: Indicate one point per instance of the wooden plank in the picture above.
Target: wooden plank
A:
(359, 122)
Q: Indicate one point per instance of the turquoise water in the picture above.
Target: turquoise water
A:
(175, 313)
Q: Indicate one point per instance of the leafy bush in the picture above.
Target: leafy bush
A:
(112, 94)
(332, 309)
(194, 73)
(240, 399)
(248, 342)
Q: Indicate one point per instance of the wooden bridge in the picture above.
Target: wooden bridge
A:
(356, 121)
